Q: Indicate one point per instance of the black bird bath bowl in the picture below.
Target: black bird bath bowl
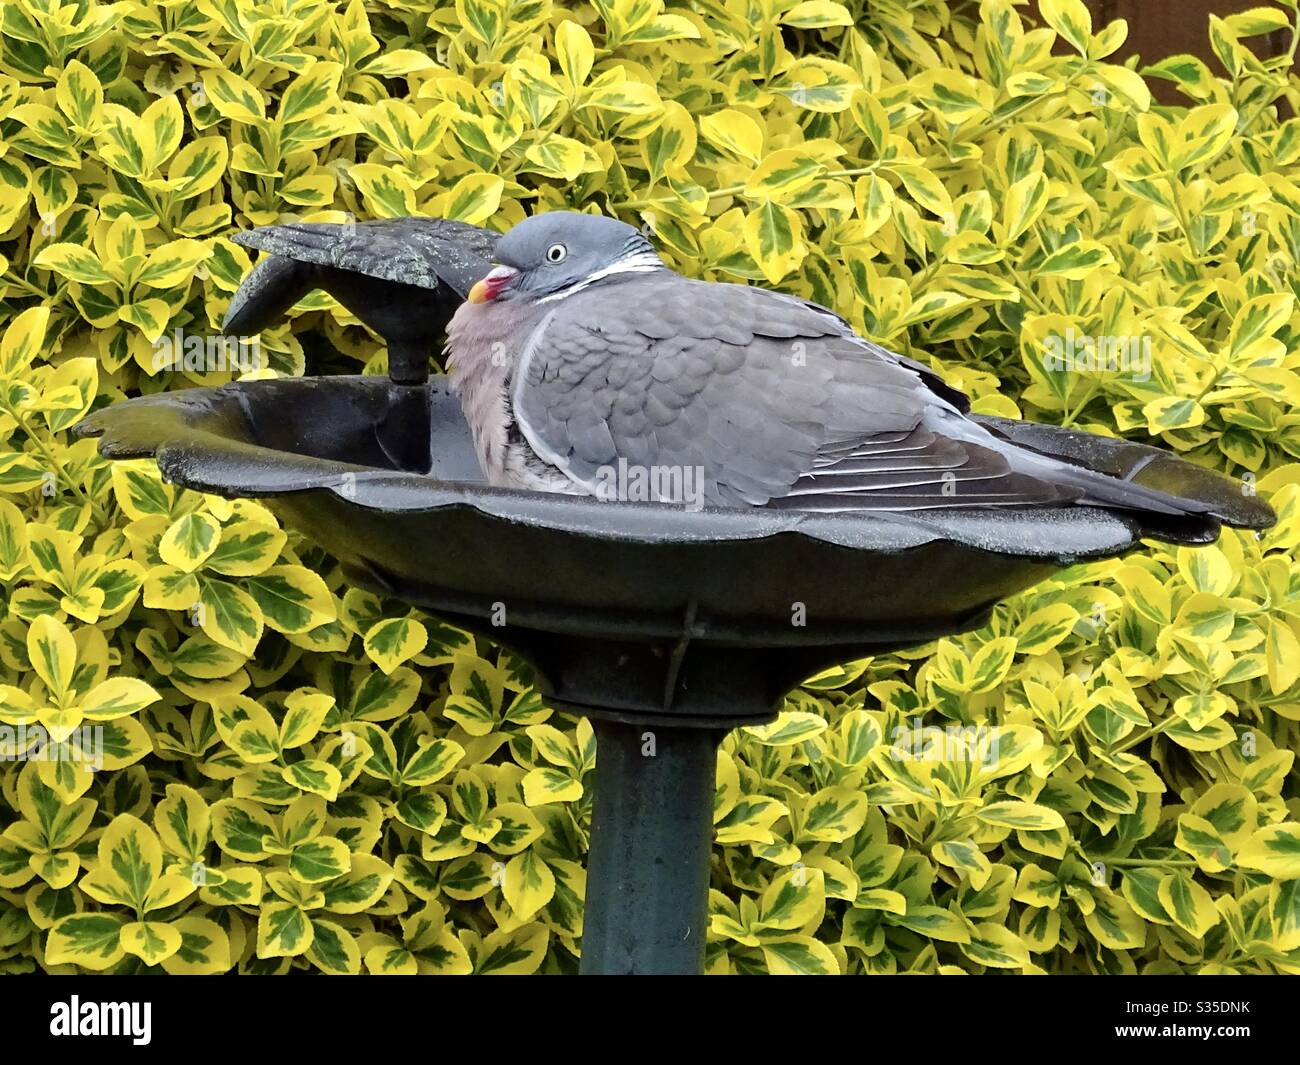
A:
(647, 617)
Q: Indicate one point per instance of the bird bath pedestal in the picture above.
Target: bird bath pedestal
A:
(668, 628)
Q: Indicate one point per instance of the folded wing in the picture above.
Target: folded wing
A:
(774, 401)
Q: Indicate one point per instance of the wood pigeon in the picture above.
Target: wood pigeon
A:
(402, 277)
(581, 358)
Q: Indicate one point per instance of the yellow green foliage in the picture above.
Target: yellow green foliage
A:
(298, 775)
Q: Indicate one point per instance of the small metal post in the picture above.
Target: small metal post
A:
(652, 830)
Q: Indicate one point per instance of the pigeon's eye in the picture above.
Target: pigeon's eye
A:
(556, 253)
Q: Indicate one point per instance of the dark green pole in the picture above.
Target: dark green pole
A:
(648, 869)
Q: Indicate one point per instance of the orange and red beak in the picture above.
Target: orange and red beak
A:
(490, 287)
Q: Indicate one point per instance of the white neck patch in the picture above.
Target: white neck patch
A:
(639, 263)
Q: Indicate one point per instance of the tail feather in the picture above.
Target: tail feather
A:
(1102, 489)
(1116, 473)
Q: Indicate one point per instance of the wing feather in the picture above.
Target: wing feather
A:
(772, 399)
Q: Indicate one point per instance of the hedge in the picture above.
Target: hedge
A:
(296, 775)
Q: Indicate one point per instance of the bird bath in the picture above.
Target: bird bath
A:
(667, 627)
